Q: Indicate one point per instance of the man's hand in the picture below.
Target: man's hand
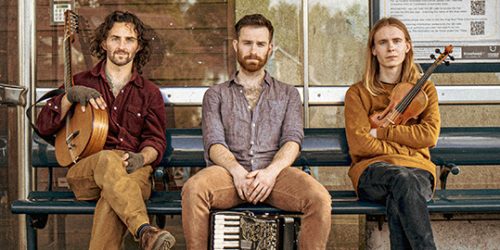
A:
(262, 184)
(133, 161)
(84, 95)
(241, 182)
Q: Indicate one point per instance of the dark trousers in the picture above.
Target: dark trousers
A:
(405, 192)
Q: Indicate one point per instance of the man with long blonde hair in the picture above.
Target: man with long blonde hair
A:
(391, 164)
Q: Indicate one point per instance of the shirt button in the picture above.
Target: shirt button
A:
(252, 161)
(249, 107)
(251, 152)
(121, 139)
(121, 91)
(114, 107)
(139, 114)
(251, 142)
(241, 91)
(50, 104)
(253, 124)
(55, 107)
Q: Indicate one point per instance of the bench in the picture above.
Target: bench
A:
(322, 147)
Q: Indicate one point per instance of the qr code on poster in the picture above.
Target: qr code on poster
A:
(476, 28)
(477, 7)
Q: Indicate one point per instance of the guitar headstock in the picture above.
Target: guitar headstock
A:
(444, 55)
(70, 25)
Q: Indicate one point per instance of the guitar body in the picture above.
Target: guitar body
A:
(88, 131)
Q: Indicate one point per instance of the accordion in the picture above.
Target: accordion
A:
(244, 230)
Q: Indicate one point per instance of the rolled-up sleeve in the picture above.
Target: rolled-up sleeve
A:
(212, 127)
(155, 126)
(49, 120)
(292, 129)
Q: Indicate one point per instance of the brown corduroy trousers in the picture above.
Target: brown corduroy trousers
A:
(120, 196)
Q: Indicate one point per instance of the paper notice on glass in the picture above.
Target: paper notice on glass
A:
(471, 26)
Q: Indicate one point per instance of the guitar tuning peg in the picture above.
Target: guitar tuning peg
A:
(438, 51)
(447, 63)
(452, 58)
(433, 57)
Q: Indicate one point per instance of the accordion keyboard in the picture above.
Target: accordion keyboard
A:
(226, 231)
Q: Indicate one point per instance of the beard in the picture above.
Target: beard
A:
(120, 57)
(252, 66)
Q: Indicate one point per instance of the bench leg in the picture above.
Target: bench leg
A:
(445, 171)
(30, 234)
(380, 219)
(306, 169)
(161, 220)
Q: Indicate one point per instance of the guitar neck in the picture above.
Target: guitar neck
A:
(68, 80)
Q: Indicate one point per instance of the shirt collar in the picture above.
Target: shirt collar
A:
(267, 78)
(99, 70)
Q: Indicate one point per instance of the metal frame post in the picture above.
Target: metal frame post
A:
(305, 31)
(27, 70)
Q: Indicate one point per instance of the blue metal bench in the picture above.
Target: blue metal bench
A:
(321, 147)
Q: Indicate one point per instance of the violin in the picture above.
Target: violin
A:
(408, 101)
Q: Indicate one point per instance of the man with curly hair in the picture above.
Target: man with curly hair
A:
(118, 176)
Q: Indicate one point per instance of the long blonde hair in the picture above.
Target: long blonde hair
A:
(409, 72)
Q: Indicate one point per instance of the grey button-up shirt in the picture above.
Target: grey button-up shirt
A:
(253, 137)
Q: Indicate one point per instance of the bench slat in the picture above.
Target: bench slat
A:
(344, 202)
(325, 147)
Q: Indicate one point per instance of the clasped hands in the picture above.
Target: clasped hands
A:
(254, 186)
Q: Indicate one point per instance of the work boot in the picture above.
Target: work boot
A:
(153, 238)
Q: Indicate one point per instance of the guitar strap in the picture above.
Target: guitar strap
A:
(51, 138)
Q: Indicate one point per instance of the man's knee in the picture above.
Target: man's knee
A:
(194, 186)
(323, 197)
(405, 182)
(403, 178)
(108, 166)
(108, 158)
(320, 197)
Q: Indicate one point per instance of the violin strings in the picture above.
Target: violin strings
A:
(414, 91)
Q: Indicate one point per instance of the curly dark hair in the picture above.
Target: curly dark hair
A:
(257, 20)
(143, 37)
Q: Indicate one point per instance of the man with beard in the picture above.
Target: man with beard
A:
(252, 132)
(118, 176)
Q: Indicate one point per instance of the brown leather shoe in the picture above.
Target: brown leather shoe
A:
(156, 239)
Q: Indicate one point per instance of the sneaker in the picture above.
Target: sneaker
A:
(156, 239)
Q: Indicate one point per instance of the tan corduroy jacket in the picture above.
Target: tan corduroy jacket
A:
(403, 145)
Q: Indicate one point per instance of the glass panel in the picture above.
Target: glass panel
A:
(190, 46)
(338, 31)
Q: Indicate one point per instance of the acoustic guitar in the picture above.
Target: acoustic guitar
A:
(84, 132)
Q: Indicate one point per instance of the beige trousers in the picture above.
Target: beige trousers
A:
(120, 196)
(294, 190)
